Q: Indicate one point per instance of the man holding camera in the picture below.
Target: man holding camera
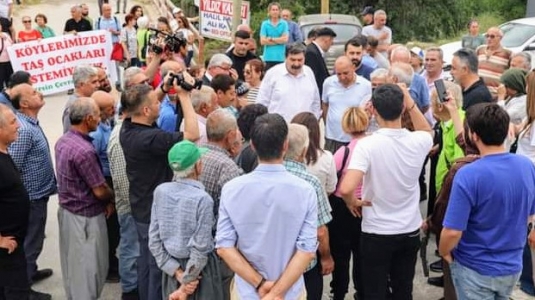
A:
(145, 149)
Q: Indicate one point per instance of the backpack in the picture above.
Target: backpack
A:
(116, 23)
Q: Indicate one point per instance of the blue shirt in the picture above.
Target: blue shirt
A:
(100, 137)
(102, 23)
(491, 200)
(4, 99)
(268, 214)
(274, 53)
(339, 99)
(31, 154)
(369, 61)
(365, 71)
(167, 119)
(419, 91)
(295, 34)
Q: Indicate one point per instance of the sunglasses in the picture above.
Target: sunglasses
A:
(491, 36)
(26, 21)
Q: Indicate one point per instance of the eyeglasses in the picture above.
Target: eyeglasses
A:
(247, 72)
(26, 21)
(226, 69)
(491, 36)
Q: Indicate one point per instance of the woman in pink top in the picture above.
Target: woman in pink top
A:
(5, 64)
(344, 229)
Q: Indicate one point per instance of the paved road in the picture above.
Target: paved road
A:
(50, 117)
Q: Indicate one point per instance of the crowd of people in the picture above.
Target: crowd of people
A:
(253, 177)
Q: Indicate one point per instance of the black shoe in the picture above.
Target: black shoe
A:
(116, 12)
(436, 281)
(70, 92)
(436, 266)
(132, 295)
(41, 274)
(35, 295)
(113, 277)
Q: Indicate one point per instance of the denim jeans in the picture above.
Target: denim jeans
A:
(128, 252)
(470, 285)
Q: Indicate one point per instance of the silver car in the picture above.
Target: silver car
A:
(345, 27)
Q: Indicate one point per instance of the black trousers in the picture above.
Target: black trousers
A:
(14, 293)
(333, 145)
(314, 282)
(112, 224)
(389, 256)
(344, 237)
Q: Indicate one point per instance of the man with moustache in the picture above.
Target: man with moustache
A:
(296, 86)
(103, 80)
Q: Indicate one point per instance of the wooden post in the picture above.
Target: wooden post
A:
(324, 6)
(236, 15)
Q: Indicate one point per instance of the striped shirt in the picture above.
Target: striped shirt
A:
(324, 209)
(31, 154)
(252, 94)
(492, 64)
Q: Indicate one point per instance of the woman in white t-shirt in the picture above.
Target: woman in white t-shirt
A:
(526, 135)
(320, 162)
(184, 27)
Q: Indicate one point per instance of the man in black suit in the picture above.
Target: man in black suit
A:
(314, 56)
(219, 64)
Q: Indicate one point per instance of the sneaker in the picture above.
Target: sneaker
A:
(41, 274)
(35, 295)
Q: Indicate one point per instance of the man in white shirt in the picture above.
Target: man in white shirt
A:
(389, 162)
(290, 88)
(340, 91)
(379, 30)
(433, 60)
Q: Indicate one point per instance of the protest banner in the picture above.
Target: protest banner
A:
(216, 18)
(51, 61)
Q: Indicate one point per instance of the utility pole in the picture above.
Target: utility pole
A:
(236, 14)
(324, 6)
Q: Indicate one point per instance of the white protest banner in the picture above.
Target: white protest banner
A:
(216, 18)
(51, 61)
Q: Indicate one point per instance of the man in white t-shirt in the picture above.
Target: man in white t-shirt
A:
(388, 163)
(380, 31)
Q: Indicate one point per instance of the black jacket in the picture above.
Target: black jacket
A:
(315, 61)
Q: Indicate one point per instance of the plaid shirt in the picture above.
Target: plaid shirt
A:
(78, 171)
(117, 162)
(31, 154)
(324, 211)
(217, 169)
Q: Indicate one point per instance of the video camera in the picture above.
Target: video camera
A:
(179, 78)
(173, 42)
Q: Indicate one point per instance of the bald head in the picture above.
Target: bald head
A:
(171, 66)
(244, 27)
(343, 61)
(400, 54)
(106, 10)
(106, 104)
(345, 70)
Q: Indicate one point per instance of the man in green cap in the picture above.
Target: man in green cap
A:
(180, 232)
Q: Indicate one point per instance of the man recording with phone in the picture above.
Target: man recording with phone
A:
(145, 149)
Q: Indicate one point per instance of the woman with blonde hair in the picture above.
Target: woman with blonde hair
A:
(344, 229)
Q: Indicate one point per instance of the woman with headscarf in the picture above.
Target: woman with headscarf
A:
(512, 94)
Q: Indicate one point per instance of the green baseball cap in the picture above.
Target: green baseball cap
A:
(184, 154)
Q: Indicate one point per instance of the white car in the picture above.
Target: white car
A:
(518, 36)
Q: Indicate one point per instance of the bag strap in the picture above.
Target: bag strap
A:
(116, 23)
(344, 161)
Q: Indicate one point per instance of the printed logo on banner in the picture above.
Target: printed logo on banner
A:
(51, 61)
(216, 18)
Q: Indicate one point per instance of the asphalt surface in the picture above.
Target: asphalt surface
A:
(58, 12)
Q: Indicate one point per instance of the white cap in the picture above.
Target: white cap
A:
(418, 51)
(177, 10)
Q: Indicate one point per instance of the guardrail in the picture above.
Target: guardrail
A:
(165, 8)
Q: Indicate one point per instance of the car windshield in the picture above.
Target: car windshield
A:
(343, 32)
(516, 34)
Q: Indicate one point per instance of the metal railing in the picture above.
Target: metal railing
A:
(165, 8)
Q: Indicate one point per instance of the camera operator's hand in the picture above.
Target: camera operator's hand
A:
(188, 79)
(165, 84)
